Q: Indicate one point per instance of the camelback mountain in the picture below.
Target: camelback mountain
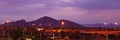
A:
(44, 22)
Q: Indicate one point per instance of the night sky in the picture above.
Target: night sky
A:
(80, 11)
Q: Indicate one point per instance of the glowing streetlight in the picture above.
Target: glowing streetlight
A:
(62, 23)
(3, 23)
(49, 24)
(33, 24)
(107, 36)
(105, 23)
(59, 30)
(116, 23)
(7, 21)
(53, 36)
(40, 29)
(28, 39)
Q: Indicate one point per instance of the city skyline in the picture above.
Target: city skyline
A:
(79, 11)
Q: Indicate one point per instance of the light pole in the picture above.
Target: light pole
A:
(40, 29)
(53, 36)
(116, 24)
(62, 23)
(105, 25)
(107, 36)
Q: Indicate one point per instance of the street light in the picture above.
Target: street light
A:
(116, 24)
(33, 24)
(40, 29)
(105, 23)
(107, 36)
(7, 21)
(62, 23)
(28, 39)
(53, 36)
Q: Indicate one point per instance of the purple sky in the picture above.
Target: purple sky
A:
(80, 11)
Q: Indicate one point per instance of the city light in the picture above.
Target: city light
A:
(28, 39)
(40, 24)
(39, 29)
(60, 20)
(116, 23)
(50, 24)
(7, 21)
(59, 30)
(53, 36)
(62, 23)
(3, 23)
(105, 23)
(33, 24)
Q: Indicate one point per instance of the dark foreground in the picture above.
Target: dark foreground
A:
(38, 33)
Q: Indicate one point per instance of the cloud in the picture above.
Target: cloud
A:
(76, 10)
(31, 6)
(67, 0)
(98, 4)
(67, 12)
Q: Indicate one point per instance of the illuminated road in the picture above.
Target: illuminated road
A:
(104, 32)
(101, 32)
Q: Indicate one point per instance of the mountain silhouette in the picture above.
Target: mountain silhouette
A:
(43, 22)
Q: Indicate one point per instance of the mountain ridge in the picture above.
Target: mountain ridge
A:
(44, 22)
